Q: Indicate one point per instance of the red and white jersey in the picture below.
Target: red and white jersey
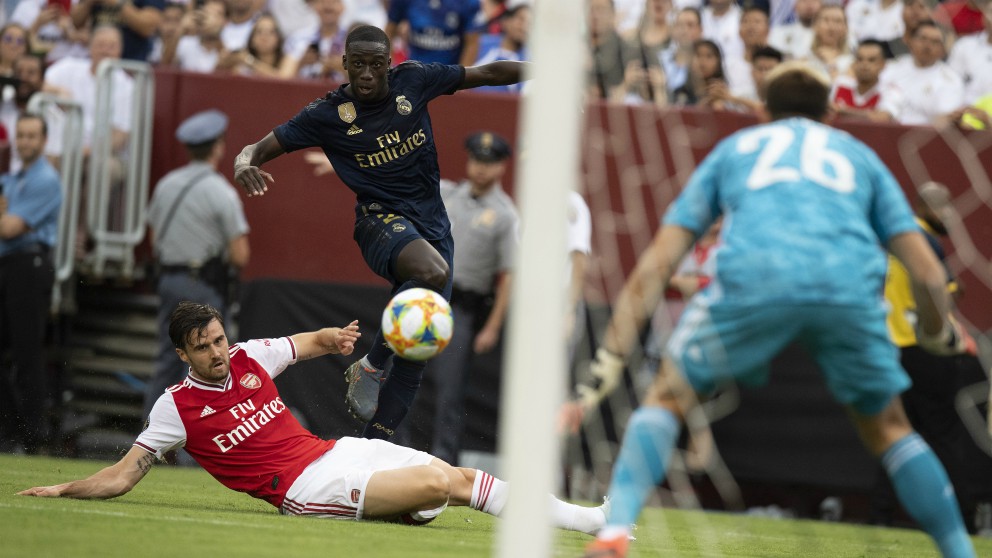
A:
(240, 431)
(881, 97)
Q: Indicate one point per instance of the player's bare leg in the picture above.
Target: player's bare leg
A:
(917, 475)
(649, 440)
(406, 490)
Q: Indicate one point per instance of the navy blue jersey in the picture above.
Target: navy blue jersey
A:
(384, 151)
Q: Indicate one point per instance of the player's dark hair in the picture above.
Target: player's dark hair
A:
(189, 319)
(367, 34)
(768, 52)
(795, 89)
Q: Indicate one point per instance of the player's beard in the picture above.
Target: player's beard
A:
(217, 371)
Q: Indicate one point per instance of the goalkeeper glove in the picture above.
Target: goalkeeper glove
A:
(950, 341)
(606, 370)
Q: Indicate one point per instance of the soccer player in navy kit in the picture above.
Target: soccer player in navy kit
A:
(376, 131)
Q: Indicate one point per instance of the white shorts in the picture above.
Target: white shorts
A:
(333, 486)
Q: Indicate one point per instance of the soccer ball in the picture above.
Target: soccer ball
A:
(417, 324)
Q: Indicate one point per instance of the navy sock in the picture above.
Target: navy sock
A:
(380, 352)
(925, 491)
(395, 398)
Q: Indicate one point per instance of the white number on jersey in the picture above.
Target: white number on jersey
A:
(815, 160)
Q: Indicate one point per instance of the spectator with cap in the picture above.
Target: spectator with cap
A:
(29, 213)
(198, 234)
(484, 227)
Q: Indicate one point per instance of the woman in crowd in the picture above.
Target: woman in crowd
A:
(831, 50)
(705, 76)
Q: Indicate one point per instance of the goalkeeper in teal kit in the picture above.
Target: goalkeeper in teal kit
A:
(376, 131)
(808, 214)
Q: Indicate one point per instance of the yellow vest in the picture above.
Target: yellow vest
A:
(899, 294)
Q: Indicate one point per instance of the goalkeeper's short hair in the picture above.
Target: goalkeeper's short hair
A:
(797, 89)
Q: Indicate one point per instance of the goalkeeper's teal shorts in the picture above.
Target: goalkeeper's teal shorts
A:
(715, 343)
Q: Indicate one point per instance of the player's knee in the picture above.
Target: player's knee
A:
(437, 486)
(433, 274)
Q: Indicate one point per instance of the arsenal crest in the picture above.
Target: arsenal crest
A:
(347, 112)
(403, 106)
(251, 381)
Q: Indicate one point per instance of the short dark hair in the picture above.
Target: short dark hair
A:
(796, 89)
(34, 116)
(191, 318)
(768, 52)
(201, 151)
(367, 34)
(883, 47)
(926, 23)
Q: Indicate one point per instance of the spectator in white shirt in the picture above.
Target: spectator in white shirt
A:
(933, 91)
(861, 96)
(971, 58)
(676, 57)
(875, 19)
(721, 24)
(241, 16)
(830, 52)
(795, 39)
(754, 35)
(321, 45)
(201, 51)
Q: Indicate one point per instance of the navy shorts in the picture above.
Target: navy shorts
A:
(381, 237)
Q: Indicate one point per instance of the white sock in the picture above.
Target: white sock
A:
(488, 493)
(577, 518)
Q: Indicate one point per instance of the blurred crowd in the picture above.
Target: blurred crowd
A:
(909, 61)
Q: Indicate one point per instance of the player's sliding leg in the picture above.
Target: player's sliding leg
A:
(395, 398)
(481, 491)
(919, 479)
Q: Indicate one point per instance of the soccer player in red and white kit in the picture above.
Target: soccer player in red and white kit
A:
(229, 417)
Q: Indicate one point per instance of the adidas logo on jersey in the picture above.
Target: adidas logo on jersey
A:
(207, 411)
(354, 130)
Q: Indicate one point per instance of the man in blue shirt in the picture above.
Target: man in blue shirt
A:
(29, 214)
(807, 210)
(440, 30)
(376, 131)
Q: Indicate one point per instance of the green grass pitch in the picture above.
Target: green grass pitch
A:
(184, 513)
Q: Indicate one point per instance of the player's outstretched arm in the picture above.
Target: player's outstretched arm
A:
(110, 482)
(502, 72)
(246, 165)
(327, 341)
(635, 305)
(936, 332)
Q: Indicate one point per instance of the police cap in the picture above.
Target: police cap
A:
(202, 127)
(487, 147)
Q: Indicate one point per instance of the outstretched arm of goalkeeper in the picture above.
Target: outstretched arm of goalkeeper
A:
(634, 306)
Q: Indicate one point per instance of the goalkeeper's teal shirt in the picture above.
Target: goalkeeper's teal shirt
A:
(807, 210)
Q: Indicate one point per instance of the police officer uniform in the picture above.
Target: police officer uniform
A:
(194, 214)
(484, 229)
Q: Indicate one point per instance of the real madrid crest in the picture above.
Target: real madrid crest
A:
(403, 106)
(347, 112)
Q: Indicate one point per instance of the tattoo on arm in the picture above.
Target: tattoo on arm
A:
(145, 463)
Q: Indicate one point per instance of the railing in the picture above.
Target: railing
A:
(115, 213)
(71, 169)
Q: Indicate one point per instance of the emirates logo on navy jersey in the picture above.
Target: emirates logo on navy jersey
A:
(251, 381)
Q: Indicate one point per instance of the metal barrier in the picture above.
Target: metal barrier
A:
(115, 212)
(71, 169)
